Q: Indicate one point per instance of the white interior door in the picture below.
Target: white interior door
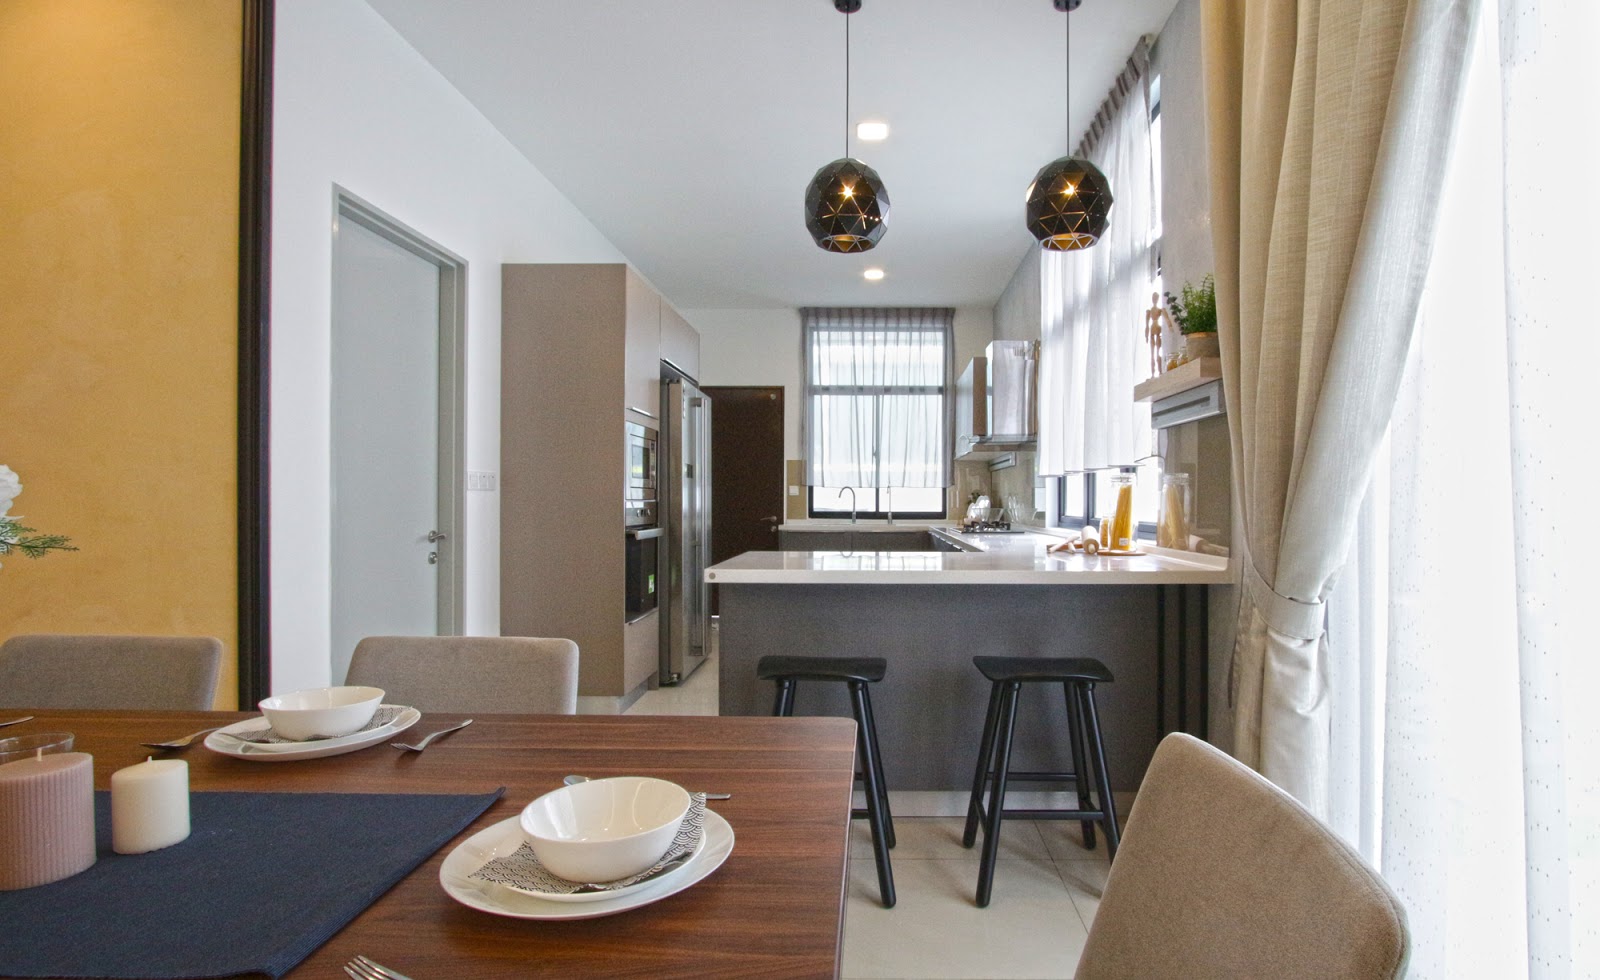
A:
(394, 526)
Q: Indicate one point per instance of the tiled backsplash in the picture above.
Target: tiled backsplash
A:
(1013, 490)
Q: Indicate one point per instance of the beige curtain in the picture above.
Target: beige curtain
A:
(1329, 124)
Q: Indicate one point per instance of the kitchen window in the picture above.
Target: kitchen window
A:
(877, 410)
(1092, 351)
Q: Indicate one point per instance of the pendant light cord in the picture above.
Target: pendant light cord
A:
(847, 85)
(1068, 16)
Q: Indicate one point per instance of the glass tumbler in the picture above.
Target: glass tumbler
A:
(28, 746)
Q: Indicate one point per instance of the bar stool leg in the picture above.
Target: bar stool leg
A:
(997, 793)
(1078, 738)
(1102, 778)
(783, 703)
(969, 834)
(877, 753)
(875, 808)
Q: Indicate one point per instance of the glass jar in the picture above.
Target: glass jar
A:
(1177, 512)
(1122, 525)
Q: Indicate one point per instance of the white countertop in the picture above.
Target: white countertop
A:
(986, 559)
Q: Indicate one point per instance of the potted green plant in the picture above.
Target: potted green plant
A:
(1195, 313)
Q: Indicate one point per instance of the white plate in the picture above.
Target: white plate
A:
(506, 836)
(288, 751)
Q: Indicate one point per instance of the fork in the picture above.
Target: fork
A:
(363, 968)
(179, 743)
(16, 721)
(429, 740)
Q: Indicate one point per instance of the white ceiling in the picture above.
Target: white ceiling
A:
(687, 130)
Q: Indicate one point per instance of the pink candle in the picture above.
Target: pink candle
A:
(46, 819)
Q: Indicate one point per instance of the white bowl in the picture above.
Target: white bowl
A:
(605, 829)
(321, 712)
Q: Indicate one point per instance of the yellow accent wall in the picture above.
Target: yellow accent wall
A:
(119, 162)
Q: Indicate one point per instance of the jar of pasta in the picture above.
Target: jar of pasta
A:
(1122, 524)
(1177, 512)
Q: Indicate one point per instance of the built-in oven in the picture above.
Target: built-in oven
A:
(639, 491)
(641, 545)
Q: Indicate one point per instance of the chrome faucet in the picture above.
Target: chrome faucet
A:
(852, 502)
(888, 503)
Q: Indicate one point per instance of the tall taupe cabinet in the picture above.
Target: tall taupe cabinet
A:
(580, 355)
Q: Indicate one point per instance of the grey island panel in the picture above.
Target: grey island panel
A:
(930, 705)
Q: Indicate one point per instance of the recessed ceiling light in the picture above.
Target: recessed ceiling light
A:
(872, 275)
(872, 131)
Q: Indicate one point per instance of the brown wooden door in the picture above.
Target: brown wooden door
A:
(746, 471)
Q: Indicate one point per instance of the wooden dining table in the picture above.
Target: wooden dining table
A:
(773, 909)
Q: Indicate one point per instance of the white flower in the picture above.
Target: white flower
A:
(10, 486)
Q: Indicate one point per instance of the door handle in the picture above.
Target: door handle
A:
(436, 536)
(773, 522)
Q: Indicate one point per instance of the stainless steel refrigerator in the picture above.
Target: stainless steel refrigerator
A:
(684, 495)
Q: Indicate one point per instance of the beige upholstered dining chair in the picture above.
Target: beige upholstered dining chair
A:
(1223, 875)
(493, 674)
(139, 673)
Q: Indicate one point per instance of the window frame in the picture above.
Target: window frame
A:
(944, 391)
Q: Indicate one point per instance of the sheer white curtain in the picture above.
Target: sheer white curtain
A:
(1094, 300)
(877, 407)
(1465, 743)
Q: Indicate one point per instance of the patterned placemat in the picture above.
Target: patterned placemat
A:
(523, 869)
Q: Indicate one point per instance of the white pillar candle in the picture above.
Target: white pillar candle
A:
(46, 819)
(149, 806)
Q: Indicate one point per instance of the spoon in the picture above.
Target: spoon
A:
(575, 779)
(16, 721)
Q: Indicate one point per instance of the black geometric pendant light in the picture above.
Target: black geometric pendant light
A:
(1069, 201)
(846, 202)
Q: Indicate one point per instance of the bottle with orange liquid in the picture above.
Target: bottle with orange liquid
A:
(1122, 516)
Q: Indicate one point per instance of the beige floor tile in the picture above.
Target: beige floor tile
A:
(696, 696)
(1064, 841)
(939, 838)
(1085, 881)
(1030, 929)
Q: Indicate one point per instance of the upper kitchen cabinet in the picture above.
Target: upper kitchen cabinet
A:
(641, 386)
(680, 343)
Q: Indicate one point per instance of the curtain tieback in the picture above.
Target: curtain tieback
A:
(1292, 617)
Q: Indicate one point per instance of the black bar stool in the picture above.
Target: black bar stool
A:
(858, 672)
(1077, 677)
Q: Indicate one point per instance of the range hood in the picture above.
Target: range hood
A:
(997, 401)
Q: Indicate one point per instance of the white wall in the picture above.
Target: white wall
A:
(762, 347)
(759, 347)
(1186, 251)
(357, 107)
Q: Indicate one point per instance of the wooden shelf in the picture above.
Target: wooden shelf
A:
(1181, 378)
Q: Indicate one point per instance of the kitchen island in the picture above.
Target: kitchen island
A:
(928, 613)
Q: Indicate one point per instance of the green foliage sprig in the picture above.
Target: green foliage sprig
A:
(16, 536)
(20, 538)
(1196, 310)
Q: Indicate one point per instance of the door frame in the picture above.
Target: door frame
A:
(452, 435)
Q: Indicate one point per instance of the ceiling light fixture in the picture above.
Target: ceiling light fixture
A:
(1069, 201)
(872, 275)
(872, 132)
(846, 202)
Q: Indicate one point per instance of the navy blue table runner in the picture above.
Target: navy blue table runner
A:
(261, 882)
